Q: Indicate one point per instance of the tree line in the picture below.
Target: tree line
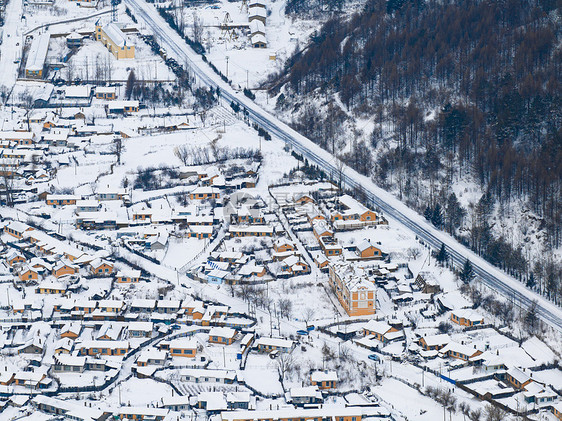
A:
(490, 71)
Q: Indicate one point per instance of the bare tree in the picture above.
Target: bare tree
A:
(117, 149)
(494, 413)
(183, 153)
(308, 315)
(28, 103)
(285, 307)
(285, 364)
(197, 31)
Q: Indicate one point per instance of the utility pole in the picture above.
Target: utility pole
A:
(227, 66)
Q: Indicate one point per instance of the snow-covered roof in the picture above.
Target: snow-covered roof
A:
(38, 52)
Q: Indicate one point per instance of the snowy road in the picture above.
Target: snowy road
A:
(394, 209)
(10, 51)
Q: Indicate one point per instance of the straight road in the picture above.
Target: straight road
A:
(395, 210)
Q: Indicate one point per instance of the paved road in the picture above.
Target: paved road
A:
(393, 208)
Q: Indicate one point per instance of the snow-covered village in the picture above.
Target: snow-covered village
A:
(171, 250)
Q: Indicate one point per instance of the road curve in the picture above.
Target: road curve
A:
(395, 210)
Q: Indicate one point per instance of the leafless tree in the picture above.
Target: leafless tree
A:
(117, 149)
(197, 31)
(285, 364)
(308, 315)
(183, 153)
(285, 307)
(494, 413)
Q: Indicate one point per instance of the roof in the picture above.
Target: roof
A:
(115, 34)
(77, 91)
(38, 52)
(377, 326)
(324, 376)
(277, 342)
(224, 332)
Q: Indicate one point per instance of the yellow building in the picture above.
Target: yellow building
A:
(115, 41)
(354, 291)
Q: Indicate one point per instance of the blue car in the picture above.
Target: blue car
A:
(374, 357)
(175, 327)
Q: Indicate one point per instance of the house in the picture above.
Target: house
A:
(539, 394)
(183, 347)
(141, 413)
(434, 342)
(49, 287)
(36, 56)
(73, 40)
(32, 346)
(251, 231)
(465, 317)
(354, 291)
(115, 41)
(16, 229)
(123, 107)
(109, 332)
(18, 137)
(517, 378)
(283, 245)
(87, 205)
(106, 92)
(324, 379)
(258, 40)
(265, 344)
(101, 267)
(140, 329)
(257, 13)
(301, 396)
(128, 276)
(427, 283)
(69, 363)
(365, 250)
(460, 351)
(71, 330)
(204, 193)
(63, 268)
(152, 356)
(198, 375)
(140, 305)
(109, 194)
(222, 335)
(238, 400)
(96, 347)
(382, 331)
(13, 258)
(32, 380)
(168, 306)
(27, 273)
(111, 306)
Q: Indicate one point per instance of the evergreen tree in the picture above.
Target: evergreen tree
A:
(531, 282)
(455, 213)
(467, 273)
(437, 216)
(531, 318)
(442, 255)
(428, 213)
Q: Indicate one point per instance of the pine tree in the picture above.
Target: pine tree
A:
(437, 216)
(427, 213)
(467, 274)
(442, 255)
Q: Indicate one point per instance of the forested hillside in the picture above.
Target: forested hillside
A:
(450, 91)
